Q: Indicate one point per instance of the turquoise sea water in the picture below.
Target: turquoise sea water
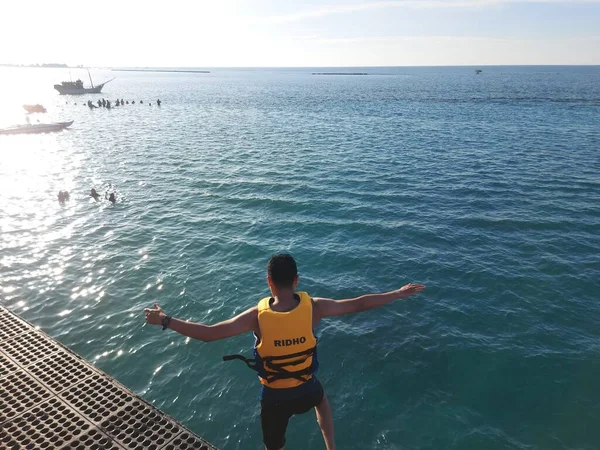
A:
(484, 187)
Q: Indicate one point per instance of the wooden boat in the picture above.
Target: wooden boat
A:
(77, 87)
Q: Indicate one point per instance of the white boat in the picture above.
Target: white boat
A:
(36, 128)
(77, 87)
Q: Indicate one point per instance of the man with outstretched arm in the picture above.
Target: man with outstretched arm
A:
(285, 350)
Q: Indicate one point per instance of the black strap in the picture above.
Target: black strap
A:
(279, 373)
(277, 369)
(249, 362)
(308, 352)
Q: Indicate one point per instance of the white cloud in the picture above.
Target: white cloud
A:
(449, 39)
(454, 50)
(415, 4)
(223, 36)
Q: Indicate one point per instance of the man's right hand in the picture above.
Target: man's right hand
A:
(154, 316)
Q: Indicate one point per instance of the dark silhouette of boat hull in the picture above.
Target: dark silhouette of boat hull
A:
(37, 128)
(74, 90)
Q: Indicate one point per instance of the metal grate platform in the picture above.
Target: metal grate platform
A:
(52, 398)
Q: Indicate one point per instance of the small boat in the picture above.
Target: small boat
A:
(36, 128)
(77, 87)
(34, 108)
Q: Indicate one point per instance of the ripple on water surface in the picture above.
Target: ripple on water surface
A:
(486, 194)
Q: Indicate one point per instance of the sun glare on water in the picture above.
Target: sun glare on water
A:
(24, 86)
(32, 166)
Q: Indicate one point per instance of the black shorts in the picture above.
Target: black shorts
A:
(274, 416)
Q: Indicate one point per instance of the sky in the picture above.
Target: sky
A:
(307, 33)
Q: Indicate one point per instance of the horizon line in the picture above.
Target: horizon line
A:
(102, 66)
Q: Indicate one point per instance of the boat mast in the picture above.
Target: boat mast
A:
(91, 82)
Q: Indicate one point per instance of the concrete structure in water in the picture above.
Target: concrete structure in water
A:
(51, 398)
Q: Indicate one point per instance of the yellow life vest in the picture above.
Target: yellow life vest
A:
(286, 350)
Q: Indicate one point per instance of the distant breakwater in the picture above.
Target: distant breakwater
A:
(340, 73)
(161, 70)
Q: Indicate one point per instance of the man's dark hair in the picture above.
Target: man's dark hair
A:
(282, 270)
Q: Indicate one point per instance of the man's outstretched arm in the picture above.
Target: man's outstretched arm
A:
(325, 307)
(242, 323)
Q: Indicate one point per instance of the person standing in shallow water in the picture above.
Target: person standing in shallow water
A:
(285, 350)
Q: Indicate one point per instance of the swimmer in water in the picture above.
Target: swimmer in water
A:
(112, 198)
(94, 194)
(63, 196)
